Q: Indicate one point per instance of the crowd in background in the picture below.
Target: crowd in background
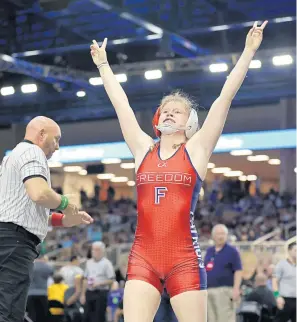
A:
(247, 215)
(91, 289)
(73, 293)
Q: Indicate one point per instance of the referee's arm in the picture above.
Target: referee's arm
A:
(40, 192)
(34, 173)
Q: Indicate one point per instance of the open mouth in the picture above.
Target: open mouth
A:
(169, 121)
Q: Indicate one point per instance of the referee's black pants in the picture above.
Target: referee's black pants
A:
(17, 254)
(288, 313)
(95, 307)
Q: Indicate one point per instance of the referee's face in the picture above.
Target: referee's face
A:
(51, 141)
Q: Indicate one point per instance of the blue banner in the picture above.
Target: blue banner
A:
(265, 140)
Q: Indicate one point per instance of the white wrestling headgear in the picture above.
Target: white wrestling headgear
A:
(190, 129)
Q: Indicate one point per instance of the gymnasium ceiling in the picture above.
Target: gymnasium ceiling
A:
(46, 42)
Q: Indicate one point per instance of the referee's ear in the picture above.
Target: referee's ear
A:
(42, 134)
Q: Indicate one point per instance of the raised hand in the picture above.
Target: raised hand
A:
(99, 53)
(255, 36)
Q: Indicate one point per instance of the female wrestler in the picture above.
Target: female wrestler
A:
(165, 252)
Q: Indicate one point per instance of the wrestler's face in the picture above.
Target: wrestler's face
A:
(49, 140)
(175, 113)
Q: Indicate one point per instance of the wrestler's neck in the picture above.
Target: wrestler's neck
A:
(171, 142)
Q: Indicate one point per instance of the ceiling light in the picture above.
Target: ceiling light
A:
(282, 60)
(220, 170)
(73, 168)
(242, 178)
(81, 94)
(255, 64)
(258, 158)
(127, 165)
(233, 174)
(105, 176)
(29, 88)
(251, 177)
(218, 68)
(131, 183)
(283, 19)
(5, 91)
(83, 172)
(295, 170)
(153, 74)
(96, 81)
(119, 179)
(241, 152)
(121, 78)
(210, 165)
(274, 161)
(111, 161)
(53, 164)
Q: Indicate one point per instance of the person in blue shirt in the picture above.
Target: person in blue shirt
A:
(115, 296)
(224, 276)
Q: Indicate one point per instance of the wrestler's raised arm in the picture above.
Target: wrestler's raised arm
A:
(213, 126)
(138, 141)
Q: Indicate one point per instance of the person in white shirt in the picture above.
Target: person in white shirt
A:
(26, 198)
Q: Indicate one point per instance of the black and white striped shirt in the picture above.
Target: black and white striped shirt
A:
(26, 161)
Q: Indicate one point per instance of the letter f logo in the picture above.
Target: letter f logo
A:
(159, 193)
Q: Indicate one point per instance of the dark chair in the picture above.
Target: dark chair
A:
(250, 312)
(74, 312)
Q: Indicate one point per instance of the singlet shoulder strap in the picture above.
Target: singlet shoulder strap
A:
(154, 147)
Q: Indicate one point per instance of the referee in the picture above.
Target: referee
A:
(26, 198)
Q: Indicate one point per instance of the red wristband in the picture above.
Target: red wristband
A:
(57, 219)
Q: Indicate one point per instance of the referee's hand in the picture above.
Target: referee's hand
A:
(71, 210)
(81, 218)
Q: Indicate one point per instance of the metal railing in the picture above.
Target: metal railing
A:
(258, 247)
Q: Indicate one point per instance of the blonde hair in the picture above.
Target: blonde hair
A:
(179, 96)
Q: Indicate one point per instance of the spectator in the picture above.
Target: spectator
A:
(110, 195)
(72, 275)
(37, 304)
(264, 296)
(115, 296)
(119, 314)
(121, 272)
(224, 275)
(284, 286)
(83, 197)
(56, 293)
(165, 312)
(98, 277)
(269, 274)
(97, 193)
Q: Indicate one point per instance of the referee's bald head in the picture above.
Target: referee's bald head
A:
(45, 133)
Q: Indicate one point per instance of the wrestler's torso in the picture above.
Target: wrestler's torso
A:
(168, 191)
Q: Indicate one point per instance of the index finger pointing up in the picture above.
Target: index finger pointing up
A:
(95, 44)
(264, 24)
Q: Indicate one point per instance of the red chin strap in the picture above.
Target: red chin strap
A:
(155, 122)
